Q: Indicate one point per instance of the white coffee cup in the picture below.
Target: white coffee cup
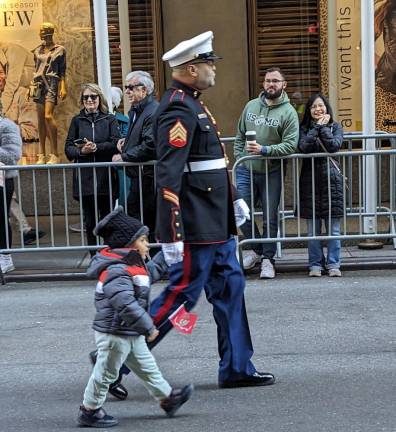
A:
(250, 137)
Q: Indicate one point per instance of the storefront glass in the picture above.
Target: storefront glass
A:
(286, 34)
(45, 55)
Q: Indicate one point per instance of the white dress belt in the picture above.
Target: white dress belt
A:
(205, 165)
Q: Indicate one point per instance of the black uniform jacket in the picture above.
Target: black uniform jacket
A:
(139, 141)
(103, 130)
(194, 206)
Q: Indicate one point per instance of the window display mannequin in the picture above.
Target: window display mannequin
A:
(48, 84)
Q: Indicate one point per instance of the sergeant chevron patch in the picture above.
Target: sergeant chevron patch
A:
(178, 135)
(168, 195)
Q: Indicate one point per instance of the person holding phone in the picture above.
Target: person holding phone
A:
(92, 137)
(79, 142)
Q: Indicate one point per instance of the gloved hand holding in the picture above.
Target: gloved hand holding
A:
(242, 212)
(173, 252)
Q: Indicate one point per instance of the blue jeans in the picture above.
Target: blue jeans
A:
(268, 250)
(316, 258)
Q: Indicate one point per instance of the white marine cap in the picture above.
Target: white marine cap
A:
(188, 51)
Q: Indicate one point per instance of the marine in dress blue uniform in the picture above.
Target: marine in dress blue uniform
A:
(195, 216)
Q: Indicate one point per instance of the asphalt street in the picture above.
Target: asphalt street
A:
(330, 342)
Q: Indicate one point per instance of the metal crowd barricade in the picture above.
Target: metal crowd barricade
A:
(352, 164)
(51, 206)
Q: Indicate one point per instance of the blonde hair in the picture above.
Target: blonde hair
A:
(103, 107)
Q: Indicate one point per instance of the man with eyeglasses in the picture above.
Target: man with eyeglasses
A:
(275, 122)
(138, 146)
(196, 219)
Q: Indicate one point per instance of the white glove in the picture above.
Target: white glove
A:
(173, 252)
(242, 212)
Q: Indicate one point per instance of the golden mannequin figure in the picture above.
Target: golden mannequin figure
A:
(50, 62)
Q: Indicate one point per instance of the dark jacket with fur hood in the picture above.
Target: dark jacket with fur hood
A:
(122, 292)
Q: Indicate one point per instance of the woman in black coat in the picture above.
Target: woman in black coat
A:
(319, 133)
(92, 137)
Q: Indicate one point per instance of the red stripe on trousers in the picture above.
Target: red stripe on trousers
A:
(178, 288)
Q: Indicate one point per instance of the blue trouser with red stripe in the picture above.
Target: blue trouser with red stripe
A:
(214, 268)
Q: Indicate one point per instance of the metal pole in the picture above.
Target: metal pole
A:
(368, 110)
(102, 49)
(125, 45)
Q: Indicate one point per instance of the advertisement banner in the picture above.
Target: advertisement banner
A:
(348, 57)
(20, 22)
(385, 59)
(19, 35)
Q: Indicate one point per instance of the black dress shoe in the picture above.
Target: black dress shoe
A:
(257, 379)
(30, 236)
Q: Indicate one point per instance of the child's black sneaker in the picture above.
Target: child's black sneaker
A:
(95, 418)
(176, 399)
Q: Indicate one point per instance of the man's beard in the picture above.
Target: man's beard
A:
(274, 95)
(204, 84)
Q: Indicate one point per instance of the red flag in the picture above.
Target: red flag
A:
(182, 320)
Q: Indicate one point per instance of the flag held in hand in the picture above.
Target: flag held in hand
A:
(182, 320)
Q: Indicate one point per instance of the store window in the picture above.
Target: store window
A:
(45, 55)
(285, 33)
(145, 40)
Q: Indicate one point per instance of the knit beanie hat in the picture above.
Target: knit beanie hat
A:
(119, 230)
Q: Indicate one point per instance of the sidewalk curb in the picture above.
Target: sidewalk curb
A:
(298, 266)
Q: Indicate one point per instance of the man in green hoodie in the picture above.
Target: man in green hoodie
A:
(275, 122)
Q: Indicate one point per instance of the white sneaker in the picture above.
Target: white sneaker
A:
(315, 273)
(267, 269)
(250, 258)
(335, 272)
(6, 263)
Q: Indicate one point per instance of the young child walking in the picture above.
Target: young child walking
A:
(122, 323)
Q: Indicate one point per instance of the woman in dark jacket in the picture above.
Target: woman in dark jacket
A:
(319, 133)
(92, 137)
